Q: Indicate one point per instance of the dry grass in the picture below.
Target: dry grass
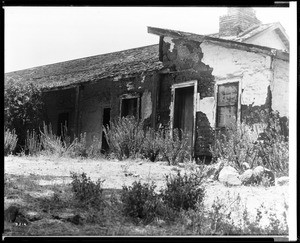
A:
(42, 184)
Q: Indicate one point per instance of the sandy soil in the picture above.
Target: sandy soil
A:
(114, 173)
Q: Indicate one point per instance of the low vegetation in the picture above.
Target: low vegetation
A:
(23, 109)
(140, 202)
(176, 209)
(99, 211)
(268, 148)
(127, 138)
(10, 141)
(87, 193)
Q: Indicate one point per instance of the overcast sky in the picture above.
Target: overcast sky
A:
(36, 36)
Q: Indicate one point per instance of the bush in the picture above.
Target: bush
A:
(86, 192)
(140, 201)
(94, 150)
(52, 143)
(10, 141)
(269, 148)
(23, 109)
(62, 145)
(235, 144)
(173, 148)
(183, 191)
(273, 145)
(33, 144)
(125, 137)
(78, 147)
(153, 144)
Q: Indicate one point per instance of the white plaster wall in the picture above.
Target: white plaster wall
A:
(280, 87)
(251, 69)
(207, 106)
(269, 39)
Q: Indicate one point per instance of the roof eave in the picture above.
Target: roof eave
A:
(93, 81)
(228, 43)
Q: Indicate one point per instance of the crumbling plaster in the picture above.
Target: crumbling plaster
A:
(280, 87)
(207, 105)
(254, 70)
(146, 104)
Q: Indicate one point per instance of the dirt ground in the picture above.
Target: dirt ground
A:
(119, 173)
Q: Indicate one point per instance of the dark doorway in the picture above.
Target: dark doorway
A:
(105, 123)
(62, 123)
(183, 111)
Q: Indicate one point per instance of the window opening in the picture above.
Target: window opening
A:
(227, 104)
(130, 107)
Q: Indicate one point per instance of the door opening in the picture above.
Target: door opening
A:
(184, 112)
(105, 122)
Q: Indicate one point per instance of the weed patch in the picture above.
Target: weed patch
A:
(10, 141)
(140, 201)
(86, 192)
(183, 191)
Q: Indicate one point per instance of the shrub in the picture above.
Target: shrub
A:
(270, 148)
(10, 141)
(153, 143)
(235, 145)
(23, 108)
(86, 192)
(94, 150)
(173, 148)
(62, 145)
(140, 201)
(78, 147)
(32, 143)
(125, 137)
(273, 145)
(183, 191)
(52, 143)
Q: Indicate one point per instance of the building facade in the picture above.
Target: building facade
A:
(192, 82)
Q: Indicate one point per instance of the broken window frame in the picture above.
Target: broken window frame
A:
(236, 81)
(131, 96)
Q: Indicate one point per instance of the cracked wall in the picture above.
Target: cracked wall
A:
(211, 63)
(280, 87)
(252, 70)
(184, 61)
(143, 86)
(107, 94)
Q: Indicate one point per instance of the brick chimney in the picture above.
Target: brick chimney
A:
(237, 20)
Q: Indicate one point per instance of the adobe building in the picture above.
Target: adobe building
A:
(193, 82)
